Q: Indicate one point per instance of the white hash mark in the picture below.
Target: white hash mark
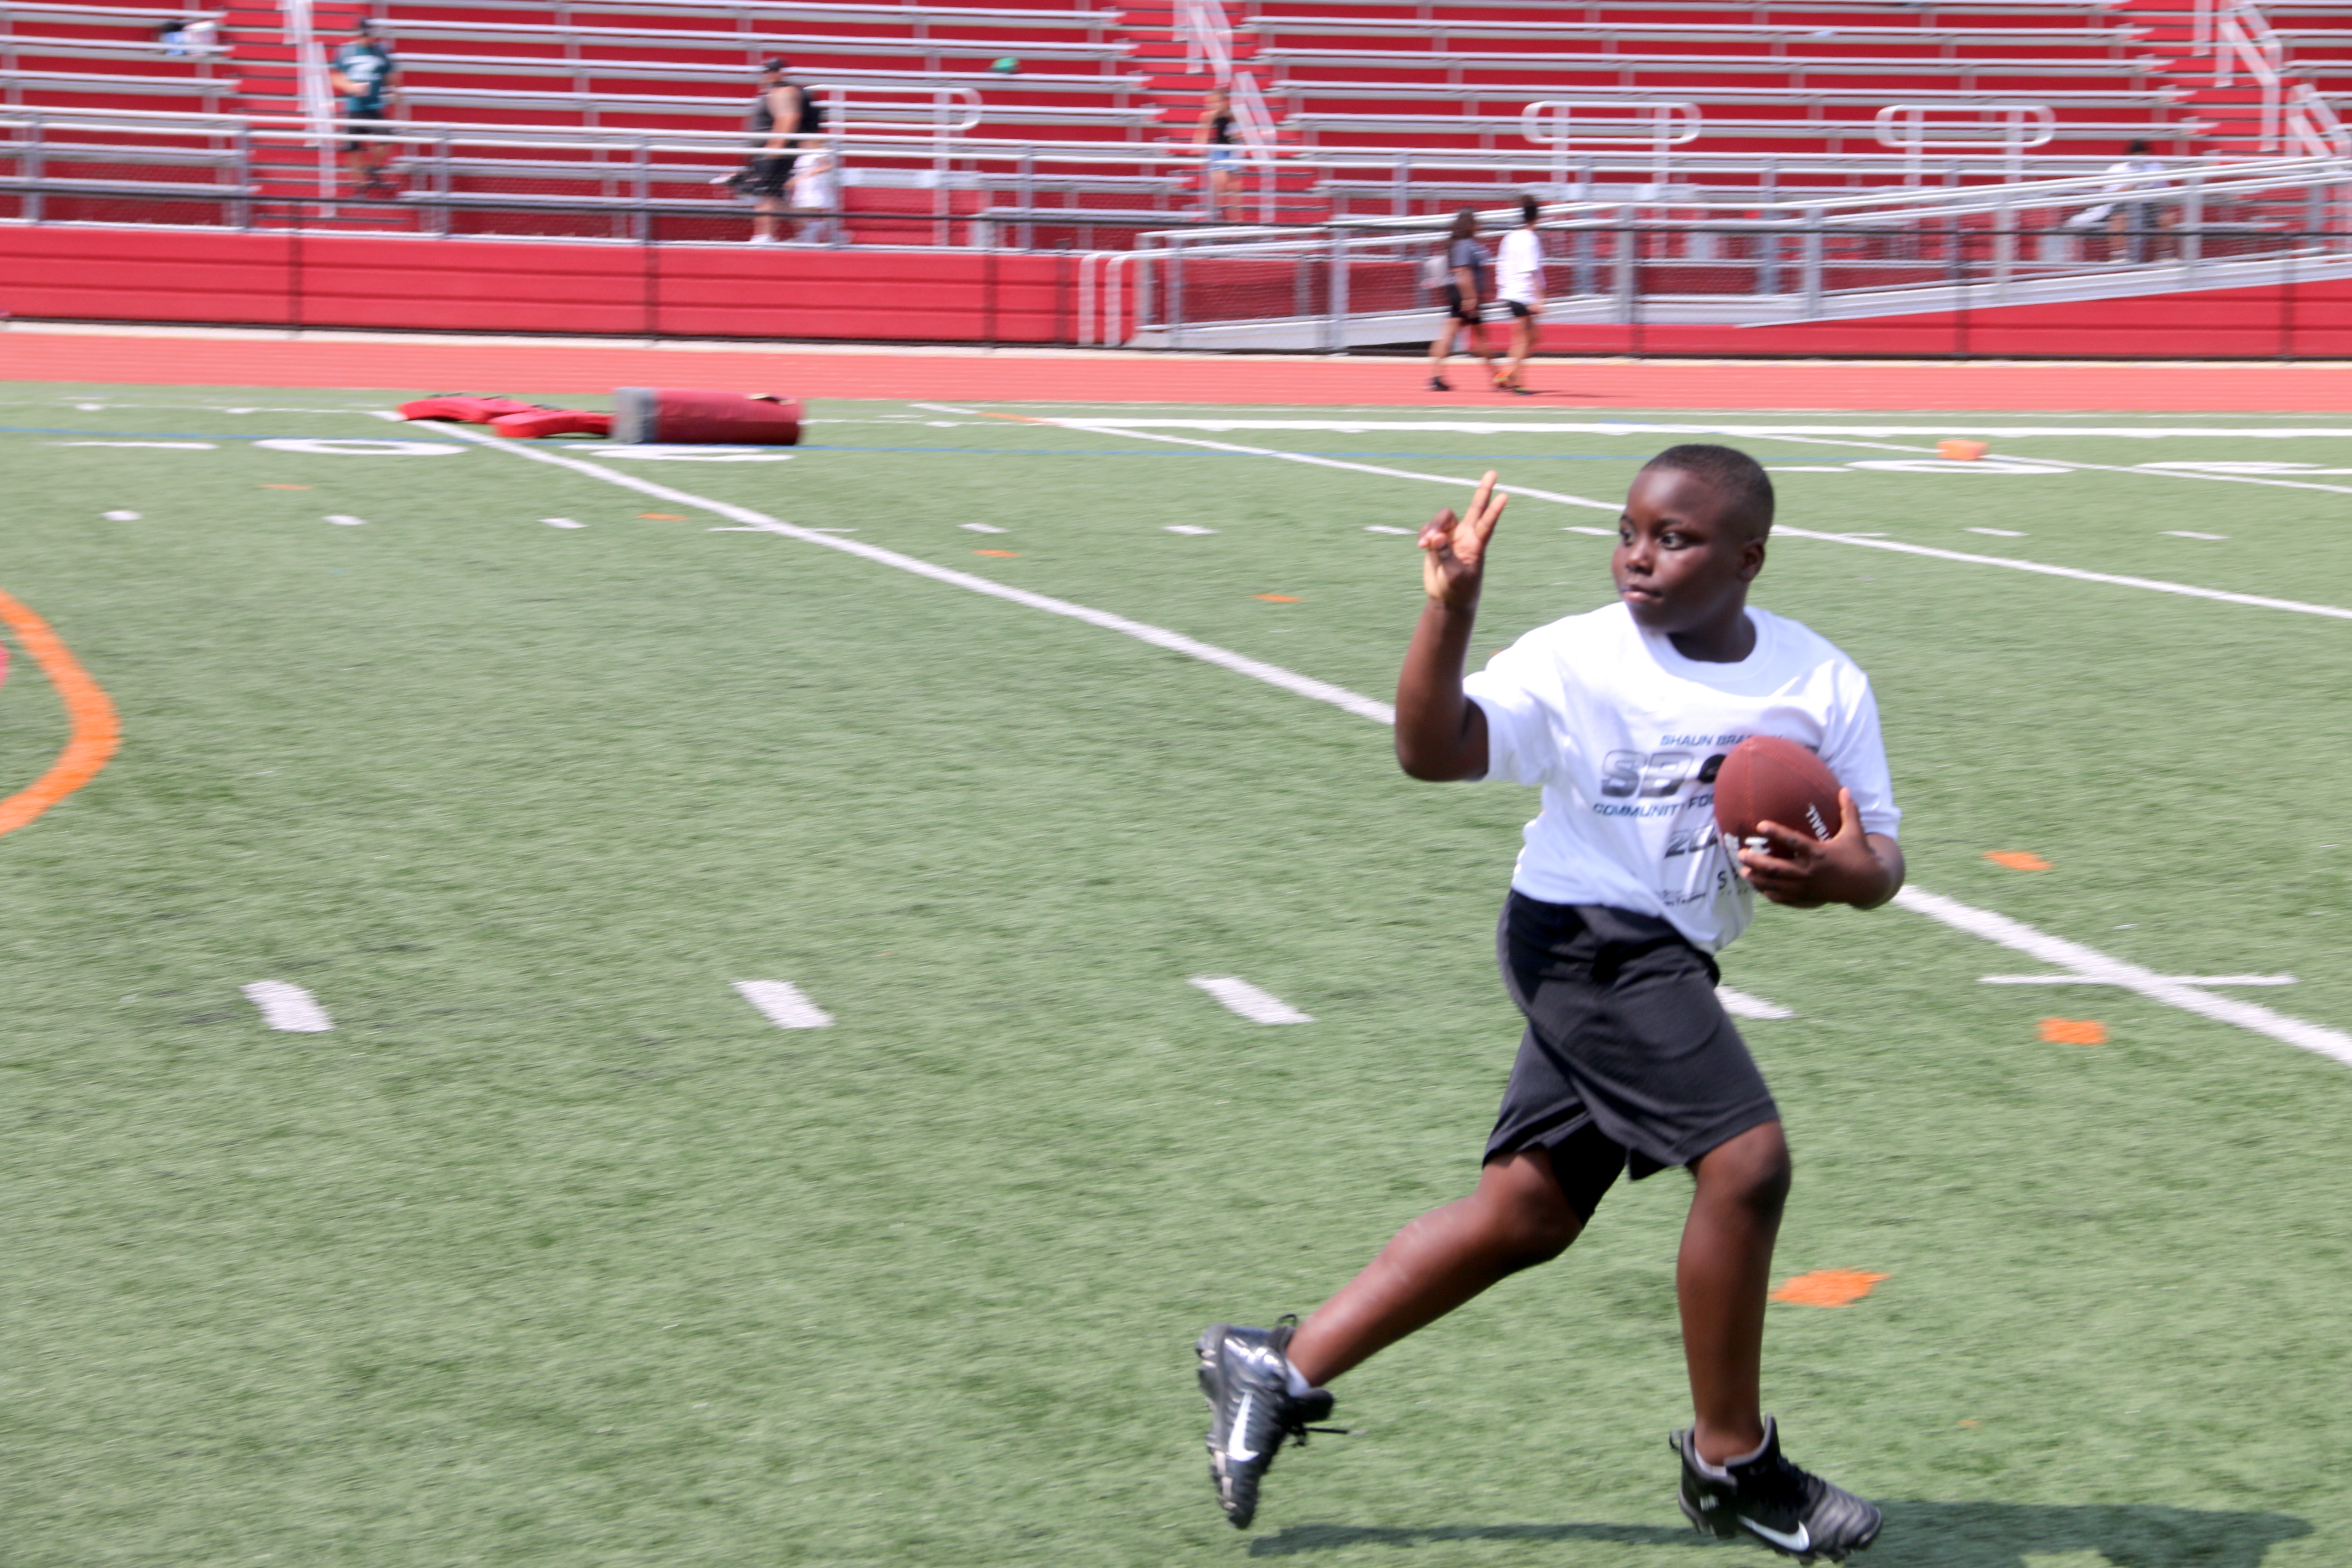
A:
(288, 1007)
(1241, 996)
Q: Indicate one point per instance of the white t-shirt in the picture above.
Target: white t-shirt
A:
(1519, 268)
(1624, 734)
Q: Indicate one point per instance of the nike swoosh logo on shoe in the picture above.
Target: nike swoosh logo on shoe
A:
(1237, 1446)
(1801, 1541)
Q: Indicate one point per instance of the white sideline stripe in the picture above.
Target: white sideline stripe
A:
(561, 522)
(288, 1007)
(1158, 637)
(1740, 1004)
(2192, 533)
(1241, 996)
(2101, 969)
(2154, 585)
(2182, 979)
(346, 520)
(1384, 528)
(782, 1003)
(2050, 949)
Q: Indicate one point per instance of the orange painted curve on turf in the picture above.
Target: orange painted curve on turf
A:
(2074, 1031)
(96, 730)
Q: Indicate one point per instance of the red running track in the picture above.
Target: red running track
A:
(574, 367)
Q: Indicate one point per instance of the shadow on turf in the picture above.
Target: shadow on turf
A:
(1917, 1535)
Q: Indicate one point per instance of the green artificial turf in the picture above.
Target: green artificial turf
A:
(554, 1252)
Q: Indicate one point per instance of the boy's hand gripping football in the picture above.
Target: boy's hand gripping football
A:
(1453, 550)
(1804, 872)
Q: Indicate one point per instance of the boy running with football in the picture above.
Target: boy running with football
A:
(1621, 895)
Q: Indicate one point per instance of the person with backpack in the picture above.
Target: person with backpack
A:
(1464, 276)
(783, 117)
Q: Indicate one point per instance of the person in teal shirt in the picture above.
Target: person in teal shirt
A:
(361, 73)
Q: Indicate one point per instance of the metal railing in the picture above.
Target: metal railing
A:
(1881, 255)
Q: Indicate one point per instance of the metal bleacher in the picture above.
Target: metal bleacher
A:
(1070, 126)
(74, 56)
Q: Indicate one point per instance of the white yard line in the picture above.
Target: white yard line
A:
(2153, 584)
(2178, 979)
(1740, 1004)
(2054, 951)
(1158, 637)
(1314, 461)
(2099, 968)
(1258, 1006)
(782, 1003)
(288, 1006)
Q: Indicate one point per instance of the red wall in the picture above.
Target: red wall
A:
(393, 282)
(62, 271)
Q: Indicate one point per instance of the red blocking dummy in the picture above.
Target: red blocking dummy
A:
(672, 418)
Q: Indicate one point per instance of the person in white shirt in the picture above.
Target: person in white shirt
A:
(2134, 206)
(1519, 284)
(816, 187)
(1623, 892)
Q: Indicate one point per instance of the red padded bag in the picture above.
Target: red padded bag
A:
(552, 422)
(672, 418)
(466, 409)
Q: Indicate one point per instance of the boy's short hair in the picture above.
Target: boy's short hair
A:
(1529, 208)
(1746, 488)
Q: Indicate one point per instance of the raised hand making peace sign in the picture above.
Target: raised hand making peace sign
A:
(1440, 733)
(1453, 550)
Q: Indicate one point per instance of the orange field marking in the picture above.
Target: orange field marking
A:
(96, 731)
(2074, 1032)
(1828, 1287)
(289, 487)
(1005, 554)
(1960, 451)
(1277, 598)
(662, 516)
(2017, 859)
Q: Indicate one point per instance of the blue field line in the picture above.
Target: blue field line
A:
(179, 434)
(1128, 452)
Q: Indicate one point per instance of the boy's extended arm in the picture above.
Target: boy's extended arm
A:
(1441, 734)
(1864, 869)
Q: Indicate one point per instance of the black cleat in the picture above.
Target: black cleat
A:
(1772, 1502)
(1252, 1411)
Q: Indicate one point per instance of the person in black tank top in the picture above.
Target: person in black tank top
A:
(779, 118)
(1214, 136)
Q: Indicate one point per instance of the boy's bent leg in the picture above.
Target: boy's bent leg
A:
(1721, 1278)
(1519, 1216)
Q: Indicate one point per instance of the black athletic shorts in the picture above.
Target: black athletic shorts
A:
(367, 123)
(767, 177)
(1455, 308)
(1628, 1061)
(1520, 310)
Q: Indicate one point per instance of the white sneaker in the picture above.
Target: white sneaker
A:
(763, 239)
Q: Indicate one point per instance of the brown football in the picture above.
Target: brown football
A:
(1768, 779)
